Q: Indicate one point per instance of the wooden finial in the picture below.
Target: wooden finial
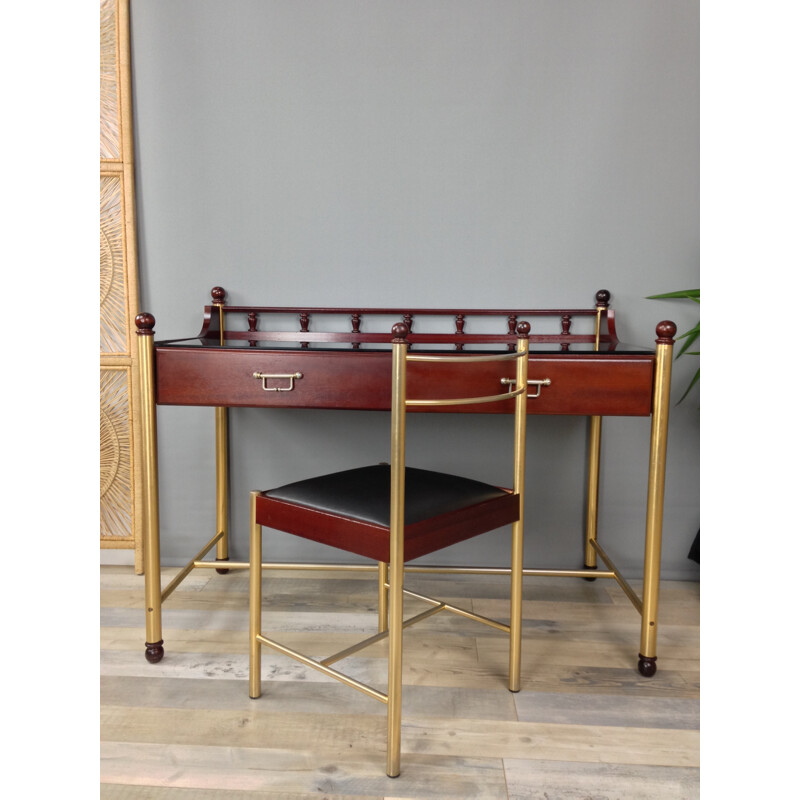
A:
(145, 323)
(400, 332)
(218, 295)
(602, 297)
(666, 330)
(523, 329)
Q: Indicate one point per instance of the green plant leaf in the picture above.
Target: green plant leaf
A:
(690, 336)
(694, 380)
(689, 294)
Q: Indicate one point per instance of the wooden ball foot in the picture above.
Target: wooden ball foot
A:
(154, 652)
(647, 666)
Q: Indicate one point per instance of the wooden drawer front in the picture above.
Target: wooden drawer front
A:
(602, 386)
(356, 380)
(606, 386)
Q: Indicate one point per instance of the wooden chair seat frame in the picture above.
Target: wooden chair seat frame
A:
(391, 622)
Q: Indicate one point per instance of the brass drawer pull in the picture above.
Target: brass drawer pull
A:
(265, 376)
(537, 383)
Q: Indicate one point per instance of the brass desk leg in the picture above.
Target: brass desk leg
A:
(518, 528)
(593, 491)
(221, 429)
(154, 645)
(655, 497)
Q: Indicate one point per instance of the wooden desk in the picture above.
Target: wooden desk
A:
(293, 362)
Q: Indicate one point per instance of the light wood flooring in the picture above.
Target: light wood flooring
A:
(586, 725)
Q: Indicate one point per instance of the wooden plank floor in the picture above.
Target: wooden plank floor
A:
(585, 725)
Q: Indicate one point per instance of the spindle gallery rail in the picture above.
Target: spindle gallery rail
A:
(220, 322)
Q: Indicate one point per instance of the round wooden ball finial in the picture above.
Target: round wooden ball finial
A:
(145, 323)
(666, 330)
(603, 297)
(218, 295)
(400, 331)
(523, 329)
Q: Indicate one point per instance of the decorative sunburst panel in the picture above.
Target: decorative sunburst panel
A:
(109, 93)
(116, 500)
(113, 315)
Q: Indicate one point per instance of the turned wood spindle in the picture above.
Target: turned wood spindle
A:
(355, 319)
(305, 318)
(459, 330)
(512, 328)
(252, 326)
(408, 321)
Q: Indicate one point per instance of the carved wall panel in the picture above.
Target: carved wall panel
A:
(113, 295)
(116, 478)
(109, 81)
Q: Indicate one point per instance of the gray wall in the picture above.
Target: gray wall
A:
(470, 153)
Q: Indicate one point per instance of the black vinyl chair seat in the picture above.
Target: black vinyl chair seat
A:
(364, 494)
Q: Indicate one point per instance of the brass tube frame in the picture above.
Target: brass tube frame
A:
(379, 637)
(383, 597)
(463, 401)
(593, 490)
(152, 552)
(331, 673)
(221, 448)
(593, 467)
(179, 578)
(396, 558)
(527, 572)
(615, 573)
(255, 600)
(655, 499)
(462, 612)
(518, 528)
(222, 480)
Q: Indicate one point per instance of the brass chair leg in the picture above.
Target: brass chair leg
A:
(515, 621)
(383, 609)
(255, 600)
(395, 682)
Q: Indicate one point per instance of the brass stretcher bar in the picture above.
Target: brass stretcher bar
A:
(231, 363)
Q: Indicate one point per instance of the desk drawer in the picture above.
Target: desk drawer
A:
(595, 385)
(346, 379)
(602, 386)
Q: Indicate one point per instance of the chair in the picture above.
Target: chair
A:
(392, 514)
